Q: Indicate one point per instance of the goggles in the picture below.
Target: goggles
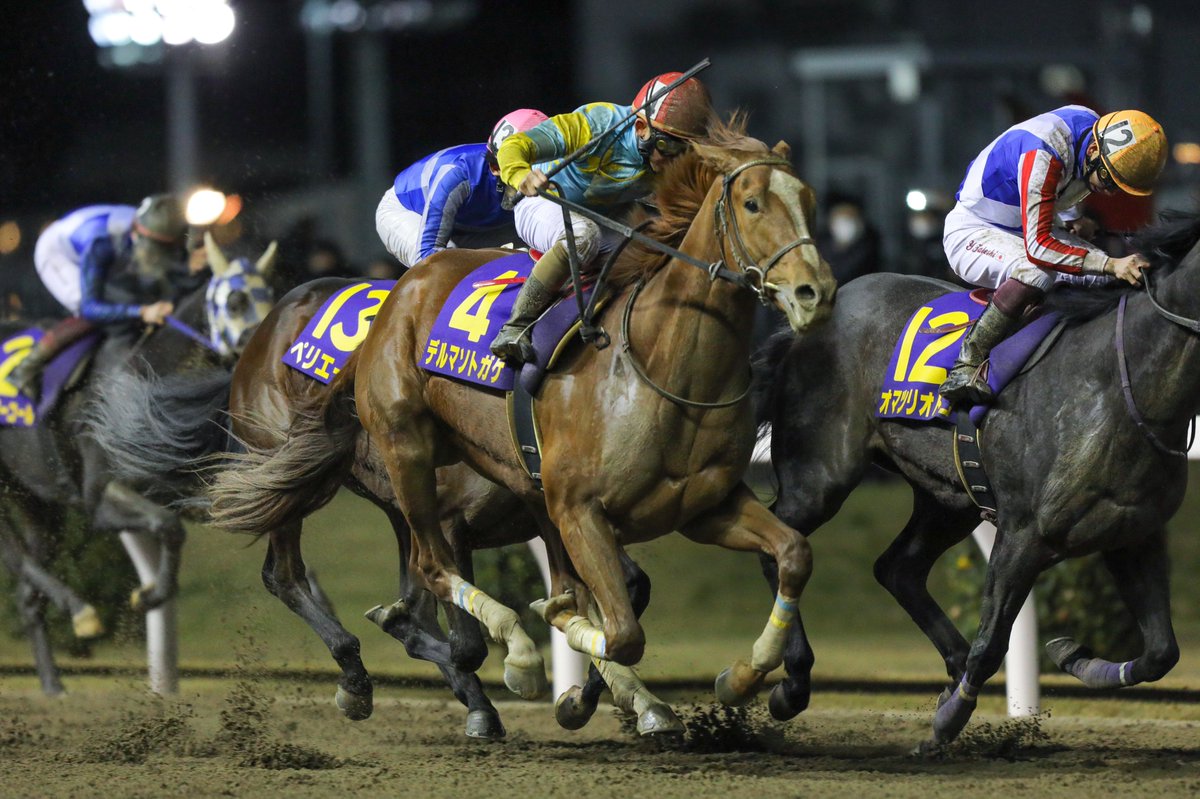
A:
(1107, 184)
(666, 144)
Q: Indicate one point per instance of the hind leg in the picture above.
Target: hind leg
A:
(413, 622)
(283, 574)
(31, 605)
(904, 571)
(121, 509)
(1142, 578)
(408, 456)
(1017, 559)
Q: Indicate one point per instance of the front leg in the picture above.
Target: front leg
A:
(742, 523)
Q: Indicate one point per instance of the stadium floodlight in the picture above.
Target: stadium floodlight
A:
(204, 207)
(146, 23)
(916, 200)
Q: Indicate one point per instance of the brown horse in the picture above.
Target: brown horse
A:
(638, 439)
(260, 399)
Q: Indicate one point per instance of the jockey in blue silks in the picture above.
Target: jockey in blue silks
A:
(451, 198)
(107, 265)
(1016, 227)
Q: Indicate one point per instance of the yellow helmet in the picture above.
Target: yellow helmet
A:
(1133, 149)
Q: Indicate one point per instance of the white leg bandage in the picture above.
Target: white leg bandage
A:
(768, 649)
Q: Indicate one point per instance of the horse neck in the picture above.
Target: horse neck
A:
(683, 311)
(1166, 355)
(166, 350)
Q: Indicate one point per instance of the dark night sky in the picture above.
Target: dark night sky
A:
(74, 132)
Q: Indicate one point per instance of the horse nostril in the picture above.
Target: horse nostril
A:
(806, 294)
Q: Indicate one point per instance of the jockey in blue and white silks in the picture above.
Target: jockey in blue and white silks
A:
(106, 265)
(1016, 222)
(618, 168)
(450, 198)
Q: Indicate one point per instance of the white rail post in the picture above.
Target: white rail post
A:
(162, 640)
(568, 667)
(1021, 663)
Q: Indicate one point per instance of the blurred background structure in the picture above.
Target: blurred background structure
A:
(306, 109)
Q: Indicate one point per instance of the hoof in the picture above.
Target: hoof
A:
(137, 600)
(384, 616)
(659, 720)
(951, 717)
(355, 707)
(485, 725)
(87, 623)
(738, 684)
(550, 609)
(527, 683)
(783, 706)
(571, 711)
(1065, 651)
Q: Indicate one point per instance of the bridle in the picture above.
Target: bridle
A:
(753, 275)
(1192, 325)
(727, 228)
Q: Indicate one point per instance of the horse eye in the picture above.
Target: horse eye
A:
(752, 205)
(236, 302)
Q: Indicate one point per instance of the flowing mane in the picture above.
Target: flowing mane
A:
(1164, 244)
(681, 190)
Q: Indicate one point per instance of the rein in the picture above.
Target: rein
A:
(183, 327)
(1126, 385)
(727, 229)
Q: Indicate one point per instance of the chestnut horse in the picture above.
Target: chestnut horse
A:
(160, 431)
(638, 439)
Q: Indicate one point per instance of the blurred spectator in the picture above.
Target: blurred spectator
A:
(848, 241)
(325, 259)
(923, 252)
(383, 267)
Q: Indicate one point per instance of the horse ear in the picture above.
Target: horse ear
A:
(719, 158)
(266, 262)
(216, 258)
(783, 150)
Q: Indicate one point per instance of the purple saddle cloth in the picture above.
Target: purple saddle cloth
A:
(928, 347)
(16, 410)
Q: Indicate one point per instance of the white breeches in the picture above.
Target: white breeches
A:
(984, 255)
(540, 225)
(58, 266)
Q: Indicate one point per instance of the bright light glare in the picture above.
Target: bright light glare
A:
(147, 22)
(10, 237)
(204, 207)
(1187, 152)
(916, 200)
(145, 29)
(212, 21)
(110, 29)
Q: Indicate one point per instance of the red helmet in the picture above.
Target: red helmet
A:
(684, 111)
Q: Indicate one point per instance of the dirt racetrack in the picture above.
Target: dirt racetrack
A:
(262, 738)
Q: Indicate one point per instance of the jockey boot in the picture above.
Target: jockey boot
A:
(967, 381)
(26, 377)
(513, 343)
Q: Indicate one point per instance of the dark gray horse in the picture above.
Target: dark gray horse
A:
(1073, 472)
(56, 465)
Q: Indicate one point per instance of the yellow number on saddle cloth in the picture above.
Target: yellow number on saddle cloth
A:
(475, 323)
(338, 337)
(922, 372)
(13, 411)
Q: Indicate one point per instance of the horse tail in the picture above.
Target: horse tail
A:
(764, 368)
(262, 489)
(156, 431)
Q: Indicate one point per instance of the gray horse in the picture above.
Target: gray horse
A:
(1074, 468)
